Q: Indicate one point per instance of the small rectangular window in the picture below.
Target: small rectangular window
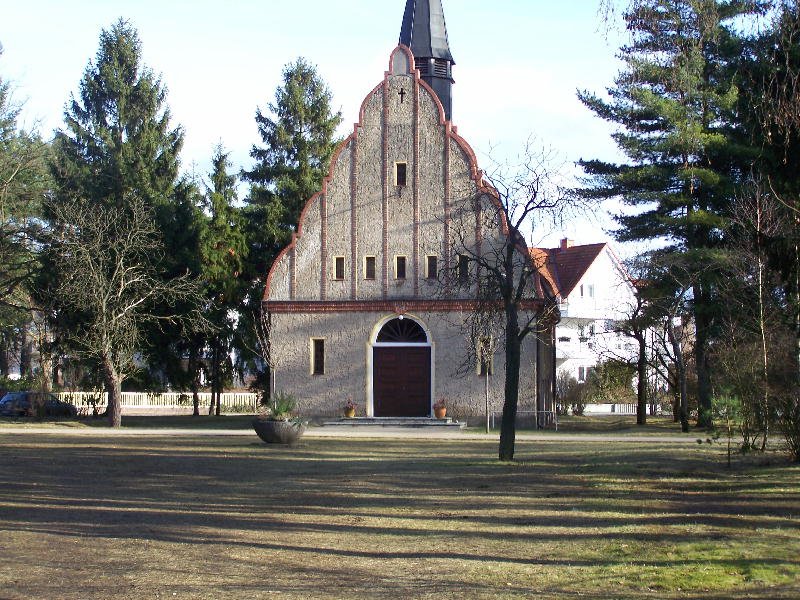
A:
(318, 357)
(431, 267)
(581, 373)
(591, 291)
(463, 269)
(400, 267)
(581, 290)
(400, 172)
(369, 267)
(338, 270)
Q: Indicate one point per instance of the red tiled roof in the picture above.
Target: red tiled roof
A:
(567, 266)
(541, 262)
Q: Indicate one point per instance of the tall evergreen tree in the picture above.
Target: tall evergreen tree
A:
(298, 137)
(298, 142)
(223, 250)
(24, 182)
(118, 136)
(770, 119)
(674, 103)
(118, 152)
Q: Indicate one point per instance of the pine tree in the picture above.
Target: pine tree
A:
(298, 136)
(674, 103)
(118, 156)
(298, 143)
(223, 251)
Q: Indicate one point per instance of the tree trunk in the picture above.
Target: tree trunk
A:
(113, 384)
(680, 367)
(26, 347)
(702, 326)
(213, 379)
(3, 355)
(641, 388)
(508, 424)
(194, 373)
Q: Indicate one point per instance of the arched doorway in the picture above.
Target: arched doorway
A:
(401, 370)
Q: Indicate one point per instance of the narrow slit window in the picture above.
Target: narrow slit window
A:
(318, 357)
(369, 267)
(400, 174)
(432, 267)
(338, 269)
(400, 267)
(463, 269)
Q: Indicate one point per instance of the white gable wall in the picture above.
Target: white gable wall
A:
(607, 296)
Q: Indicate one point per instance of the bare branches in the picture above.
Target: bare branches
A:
(109, 280)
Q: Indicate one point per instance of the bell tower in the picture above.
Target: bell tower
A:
(425, 32)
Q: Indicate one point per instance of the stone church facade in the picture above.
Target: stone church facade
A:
(356, 301)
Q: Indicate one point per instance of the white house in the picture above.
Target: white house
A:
(595, 293)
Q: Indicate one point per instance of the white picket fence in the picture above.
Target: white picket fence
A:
(610, 409)
(234, 402)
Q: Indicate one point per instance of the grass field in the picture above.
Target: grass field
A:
(208, 517)
(572, 424)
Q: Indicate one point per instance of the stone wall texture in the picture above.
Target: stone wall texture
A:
(361, 212)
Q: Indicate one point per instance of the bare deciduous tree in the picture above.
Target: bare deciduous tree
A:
(490, 263)
(110, 286)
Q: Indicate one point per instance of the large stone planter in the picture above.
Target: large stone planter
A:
(278, 432)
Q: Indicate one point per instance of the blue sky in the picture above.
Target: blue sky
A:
(518, 66)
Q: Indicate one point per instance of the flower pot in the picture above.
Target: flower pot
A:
(278, 432)
(349, 412)
(440, 412)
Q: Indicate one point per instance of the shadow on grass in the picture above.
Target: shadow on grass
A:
(598, 506)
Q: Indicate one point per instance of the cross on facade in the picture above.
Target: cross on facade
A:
(402, 93)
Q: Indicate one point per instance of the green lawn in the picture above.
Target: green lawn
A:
(209, 517)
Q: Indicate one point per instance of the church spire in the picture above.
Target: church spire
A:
(425, 32)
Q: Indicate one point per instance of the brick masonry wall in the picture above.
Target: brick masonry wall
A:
(348, 351)
(401, 121)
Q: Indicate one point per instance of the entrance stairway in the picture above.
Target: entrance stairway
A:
(402, 422)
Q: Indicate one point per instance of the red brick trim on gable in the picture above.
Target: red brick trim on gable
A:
(382, 306)
(451, 132)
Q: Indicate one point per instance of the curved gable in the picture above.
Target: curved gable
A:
(364, 214)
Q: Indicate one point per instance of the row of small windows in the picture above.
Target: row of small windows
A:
(400, 267)
(485, 361)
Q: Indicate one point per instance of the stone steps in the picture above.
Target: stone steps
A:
(403, 422)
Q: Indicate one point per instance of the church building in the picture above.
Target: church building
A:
(358, 303)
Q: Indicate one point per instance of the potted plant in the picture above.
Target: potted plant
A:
(440, 408)
(276, 424)
(349, 409)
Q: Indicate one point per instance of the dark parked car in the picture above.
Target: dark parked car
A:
(20, 404)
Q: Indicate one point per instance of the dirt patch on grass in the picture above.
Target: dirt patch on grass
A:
(212, 517)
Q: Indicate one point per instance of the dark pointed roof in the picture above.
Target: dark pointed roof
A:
(424, 30)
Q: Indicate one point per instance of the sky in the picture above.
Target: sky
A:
(518, 66)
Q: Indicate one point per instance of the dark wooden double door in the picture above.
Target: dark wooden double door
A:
(401, 381)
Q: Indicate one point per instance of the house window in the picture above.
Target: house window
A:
(369, 267)
(431, 267)
(591, 290)
(564, 339)
(581, 290)
(317, 356)
(338, 269)
(581, 373)
(400, 267)
(463, 269)
(400, 174)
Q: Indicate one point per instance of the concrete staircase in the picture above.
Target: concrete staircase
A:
(401, 422)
